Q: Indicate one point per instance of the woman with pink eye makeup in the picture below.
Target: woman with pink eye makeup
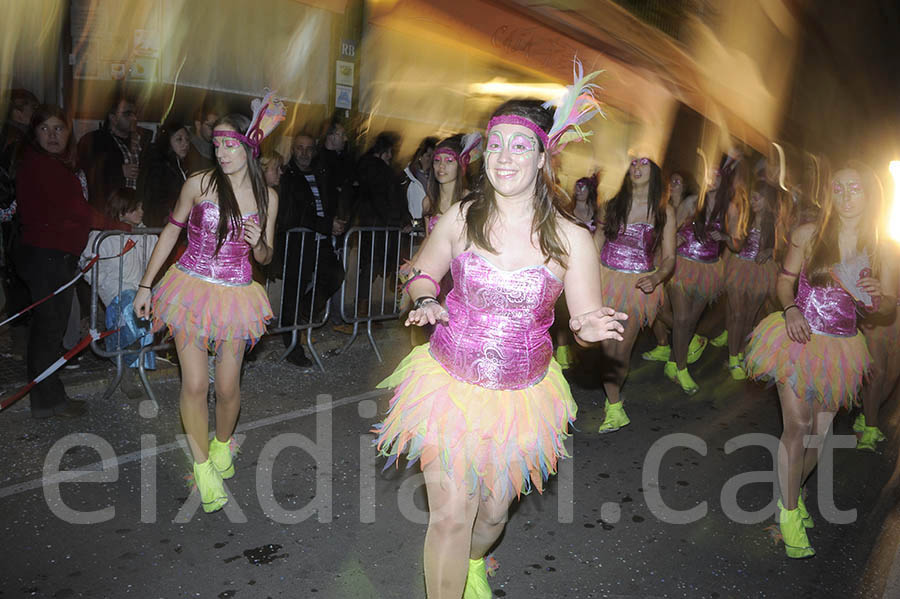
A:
(812, 349)
(636, 228)
(483, 406)
(699, 277)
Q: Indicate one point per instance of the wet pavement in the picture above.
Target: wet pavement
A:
(313, 515)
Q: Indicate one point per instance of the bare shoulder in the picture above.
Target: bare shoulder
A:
(802, 235)
(576, 237)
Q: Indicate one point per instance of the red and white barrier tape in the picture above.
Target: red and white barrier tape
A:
(93, 335)
(128, 246)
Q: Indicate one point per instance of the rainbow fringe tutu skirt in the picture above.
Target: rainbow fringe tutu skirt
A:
(208, 314)
(620, 293)
(746, 278)
(700, 280)
(497, 441)
(828, 370)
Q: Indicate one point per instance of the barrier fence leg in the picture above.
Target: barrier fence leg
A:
(372, 340)
(312, 350)
(116, 380)
(142, 372)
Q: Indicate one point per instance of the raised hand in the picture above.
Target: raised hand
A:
(598, 325)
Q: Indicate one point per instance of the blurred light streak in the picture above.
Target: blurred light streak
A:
(894, 221)
(781, 166)
(499, 87)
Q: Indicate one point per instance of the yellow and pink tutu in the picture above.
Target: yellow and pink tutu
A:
(501, 441)
(619, 292)
(207, 314)
(700, 280)
(746, 278)
(828, 369)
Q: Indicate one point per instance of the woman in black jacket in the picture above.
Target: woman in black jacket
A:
(163, 173)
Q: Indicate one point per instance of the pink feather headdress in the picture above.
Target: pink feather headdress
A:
(267, 113)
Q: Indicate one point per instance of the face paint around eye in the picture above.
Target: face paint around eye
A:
(494, 143)
(855, 188)
(837, 189)
(645, 161)
(521, 144)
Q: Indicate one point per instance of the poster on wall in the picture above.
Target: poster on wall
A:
(343, 96)
(344, 73)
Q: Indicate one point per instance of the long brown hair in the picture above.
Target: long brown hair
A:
(825, 250)
(43, 113)
(732, 188)
(549, 200)
(215, 180)
(617, 209)
(433, 188)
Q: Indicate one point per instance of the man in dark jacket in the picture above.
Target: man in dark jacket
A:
(110, 155)
(307, 198)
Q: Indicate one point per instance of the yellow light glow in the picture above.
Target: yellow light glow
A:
(894, 222)
(499, 87)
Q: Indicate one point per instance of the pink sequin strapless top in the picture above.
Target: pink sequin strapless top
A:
(751, 245)
(829, 310)
(696, 250)
(497, 332)
(431, 222)
(231, 266)
(631, 250)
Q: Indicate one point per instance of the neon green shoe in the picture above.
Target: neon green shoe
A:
(721, 340)
(804, 513)
(793, 533)
(859, 425)
(687, 384)
(564, 357)
(209, 483)
(670, 370)
(696, 348)
(735, 366)
(871, 436)
(222, 455)
(477, 586)
(660, 353)
(614, 419)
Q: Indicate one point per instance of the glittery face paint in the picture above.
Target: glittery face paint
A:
(227, 143)
(519, 143)
(847, 193)
(226, 148)
(640, 170)
(642, 162)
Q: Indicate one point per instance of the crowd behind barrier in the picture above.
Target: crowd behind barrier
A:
(372, 259)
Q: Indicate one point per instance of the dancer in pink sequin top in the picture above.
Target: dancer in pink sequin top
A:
(208, 300)
(812, 349)
(484, 408)
(637, 227)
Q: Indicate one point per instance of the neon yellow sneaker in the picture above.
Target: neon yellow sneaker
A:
(564, 357)
(793, 533)
(209, 483)
(660, 353)
(871, 436)
(670, 370)
(687, 384)
(696, 348)
(721, 340)
(614, 419)
(735, 366)
(222, 455)
(859, 425)
(477, 586)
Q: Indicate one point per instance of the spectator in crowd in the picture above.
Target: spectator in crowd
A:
(110, 155)
(414, 179)
(201, 155)
(307, 200)
(15, 130)
(117, 292)
(272, 164)
(56, 220)
(163, 172)
(377, 201)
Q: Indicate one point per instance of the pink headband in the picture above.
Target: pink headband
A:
(514, 119)
(250, 142)
(463, 159)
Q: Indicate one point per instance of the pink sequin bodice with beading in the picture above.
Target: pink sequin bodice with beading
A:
(497, 332)
(631, 250)
(751, 245)
(231, 266)
(829, 310)
(696, 250)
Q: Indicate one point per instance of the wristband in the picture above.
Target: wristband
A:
(425, 299)
(789, 307)
(422, 275)
(145, 287)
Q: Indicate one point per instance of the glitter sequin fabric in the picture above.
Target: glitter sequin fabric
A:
(828, 310)
(231, 266)
(631, 250)
(699, 251)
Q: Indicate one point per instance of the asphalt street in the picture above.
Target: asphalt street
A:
(314, 515)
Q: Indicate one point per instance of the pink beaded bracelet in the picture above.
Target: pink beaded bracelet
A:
(422, 275)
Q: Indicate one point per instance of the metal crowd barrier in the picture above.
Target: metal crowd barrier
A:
(144, 250)
(368, 255)
(378, 253)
